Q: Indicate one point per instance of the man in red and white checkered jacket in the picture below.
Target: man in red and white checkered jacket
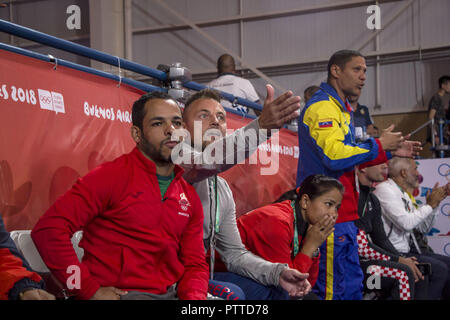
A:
(398, 275)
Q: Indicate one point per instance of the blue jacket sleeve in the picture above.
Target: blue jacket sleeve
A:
(330, 132)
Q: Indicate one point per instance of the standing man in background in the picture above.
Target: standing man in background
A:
(309, 92)
(230, 82)
(362, 120)
(437, 111)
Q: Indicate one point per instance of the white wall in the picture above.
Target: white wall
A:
(281, 43)
(48, 16)
(288, 40)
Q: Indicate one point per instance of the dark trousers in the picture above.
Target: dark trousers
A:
(252, 289)
(439, 280)
(225, 290)
(396, 281)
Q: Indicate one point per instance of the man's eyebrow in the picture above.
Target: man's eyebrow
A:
(162, 118)
(156, 118)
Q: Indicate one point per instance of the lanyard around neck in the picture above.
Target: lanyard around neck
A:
(213, 188)
(365, 204)
(413, 200)
(410, 196)
(216, 226)
(296, 243)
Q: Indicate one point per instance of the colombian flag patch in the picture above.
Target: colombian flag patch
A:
(326, 123)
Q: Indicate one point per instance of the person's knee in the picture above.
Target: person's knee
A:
(233, 292)
(439, 270)
(226, 291)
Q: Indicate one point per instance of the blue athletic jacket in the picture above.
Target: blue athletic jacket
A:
(327, 139)
(327, 146)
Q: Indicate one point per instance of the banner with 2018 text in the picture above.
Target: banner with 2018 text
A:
(58, 124)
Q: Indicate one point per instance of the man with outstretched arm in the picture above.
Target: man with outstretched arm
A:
(258, 278)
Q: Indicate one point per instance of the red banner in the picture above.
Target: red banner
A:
(255, 185)
(58, 124)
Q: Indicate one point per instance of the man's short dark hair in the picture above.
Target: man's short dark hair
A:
(225, 63)
(309, 92)
(340, 58)
(202, 94)
(443, 80)
(138, 111)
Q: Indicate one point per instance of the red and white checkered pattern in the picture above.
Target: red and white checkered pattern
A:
(367, 252)
(401, 276)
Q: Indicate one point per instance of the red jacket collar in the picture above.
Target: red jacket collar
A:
(348, 106)
(150, 166)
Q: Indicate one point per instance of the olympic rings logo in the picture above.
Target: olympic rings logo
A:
(447, 249)
(45, 99)
(444, 170)
(442, 209)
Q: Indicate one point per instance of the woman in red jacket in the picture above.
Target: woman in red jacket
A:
(292, 229)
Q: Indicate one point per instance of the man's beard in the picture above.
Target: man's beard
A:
(379, 177)
(412, 182)
(153, 153)
(210, 136)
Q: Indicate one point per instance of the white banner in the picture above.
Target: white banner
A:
(437, 170)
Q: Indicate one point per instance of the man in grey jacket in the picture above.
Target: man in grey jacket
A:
(211, 154)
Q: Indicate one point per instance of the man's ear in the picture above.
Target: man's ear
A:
(136, 134)
(403, 173)
(335, 70)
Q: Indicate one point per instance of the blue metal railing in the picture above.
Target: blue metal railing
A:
(197, 87)
(93, 54)
(60, 62)
(78, 49)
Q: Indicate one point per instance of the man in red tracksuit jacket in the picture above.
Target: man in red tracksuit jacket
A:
(142, 222)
